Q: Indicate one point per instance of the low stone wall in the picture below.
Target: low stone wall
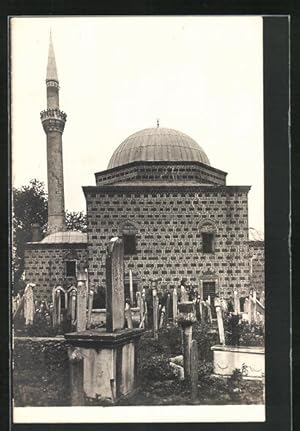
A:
(249, 360)
(99, 316)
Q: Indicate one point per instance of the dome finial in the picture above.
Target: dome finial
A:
(157, 122)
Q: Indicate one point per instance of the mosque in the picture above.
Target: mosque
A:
(176, 215)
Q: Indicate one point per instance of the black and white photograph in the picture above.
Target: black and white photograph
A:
(138, 252)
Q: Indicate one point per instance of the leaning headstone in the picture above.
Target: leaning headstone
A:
(81, 301)
(115, 317)
(220, 325)
(194, 369)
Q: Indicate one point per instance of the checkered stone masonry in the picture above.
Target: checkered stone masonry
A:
(169, 240)
(45, 266)
(257, 253)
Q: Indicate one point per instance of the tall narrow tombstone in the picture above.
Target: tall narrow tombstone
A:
(131, 287)
(76, 377)
(187, 342)
(115, 317)
(81, 301)
(155, 313)
(254, 306)
(236, 302)
(175, 299)
(194, 369)
(128, 316)
(250, 307)
(139, 304)
(90, 308)
(29, 304)
(162, 316)
(209, 314)
(167, 309)
(220, 325)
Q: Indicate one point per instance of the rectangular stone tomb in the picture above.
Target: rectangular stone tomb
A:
(249, 360)
(109, 363)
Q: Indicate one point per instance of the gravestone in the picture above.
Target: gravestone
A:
(115, 300)
(236, 302)
(155, 312)
(81, 301)
(109, 356)
(220, 325)
(194, 369)
(29, 304)
(175, 299)
(131, 287)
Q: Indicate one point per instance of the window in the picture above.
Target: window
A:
(129, 244)
(208, 242)
(70, 268)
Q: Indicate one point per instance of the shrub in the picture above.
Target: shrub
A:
(205, 338)
(242, 333)
(155, 369)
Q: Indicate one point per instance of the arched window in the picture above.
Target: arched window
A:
(128, 232)
(208, 236)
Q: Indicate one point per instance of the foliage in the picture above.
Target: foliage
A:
(155, 368)
(41, 373)
(206, 337)
(76, 221)
(243, 333)
(30, 206)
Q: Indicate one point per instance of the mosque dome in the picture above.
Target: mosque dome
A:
(158, 144)
(65, 237)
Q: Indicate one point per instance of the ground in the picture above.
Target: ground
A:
(41, 373)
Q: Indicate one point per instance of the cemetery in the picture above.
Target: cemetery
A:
(160, 301)
(182, 352)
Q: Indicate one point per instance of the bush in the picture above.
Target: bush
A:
(155, 369)
(242, 333)
(41, 373)
(205, 338)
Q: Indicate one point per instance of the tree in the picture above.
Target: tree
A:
(30, 205)
(76, 221)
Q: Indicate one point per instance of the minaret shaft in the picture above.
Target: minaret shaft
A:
(53, 121)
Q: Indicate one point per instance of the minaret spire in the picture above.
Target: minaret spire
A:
(53, 120)
(51, 67)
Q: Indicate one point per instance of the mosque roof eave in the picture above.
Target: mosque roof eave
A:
(160, 163)
(165, 188)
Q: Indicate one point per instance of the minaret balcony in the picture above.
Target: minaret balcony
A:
(53, 120)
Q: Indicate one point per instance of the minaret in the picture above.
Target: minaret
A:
(53, 121)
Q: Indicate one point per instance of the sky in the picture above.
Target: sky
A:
(199, 75)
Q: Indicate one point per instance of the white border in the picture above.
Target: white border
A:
(140, 414)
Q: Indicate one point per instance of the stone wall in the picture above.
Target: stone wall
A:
(45, 266)
(257, 255)
(168, 222)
